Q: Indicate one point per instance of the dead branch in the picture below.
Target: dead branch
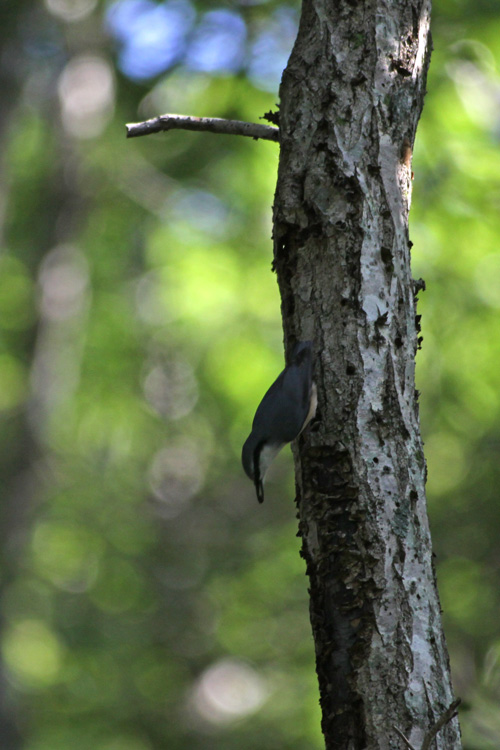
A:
(207, 124)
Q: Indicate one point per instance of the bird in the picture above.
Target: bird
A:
(286, 409)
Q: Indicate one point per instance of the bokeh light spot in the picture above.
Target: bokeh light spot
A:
(87, 94)
(70, 10)
(152, 35)
(219, 43)
(229, 690)
(32, 653)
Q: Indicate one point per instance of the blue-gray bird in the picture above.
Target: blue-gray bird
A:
(288, 406)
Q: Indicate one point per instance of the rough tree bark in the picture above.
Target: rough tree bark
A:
(351, 97)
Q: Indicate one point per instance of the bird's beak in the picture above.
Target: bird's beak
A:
(260, 490)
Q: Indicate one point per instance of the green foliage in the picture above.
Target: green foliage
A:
(147, 600)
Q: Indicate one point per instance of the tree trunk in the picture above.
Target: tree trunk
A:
(351, 97)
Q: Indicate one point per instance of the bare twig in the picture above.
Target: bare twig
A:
(447, 716)
(210, 124)
(405, 740)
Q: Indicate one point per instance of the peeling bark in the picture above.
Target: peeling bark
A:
(351, 98)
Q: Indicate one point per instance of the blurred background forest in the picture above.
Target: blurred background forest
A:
(147, 601)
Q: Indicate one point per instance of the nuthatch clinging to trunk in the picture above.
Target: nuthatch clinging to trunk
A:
(288, 406)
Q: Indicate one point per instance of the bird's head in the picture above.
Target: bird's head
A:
(256, 458)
